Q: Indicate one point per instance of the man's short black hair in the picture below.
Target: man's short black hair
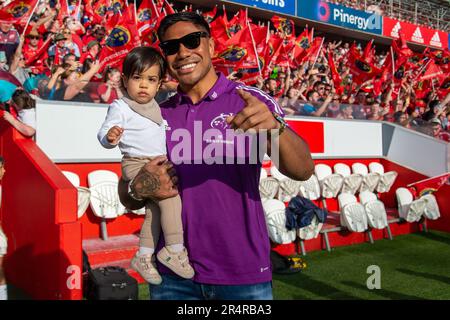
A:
(2, 161)
(192, 17)
(140, 59)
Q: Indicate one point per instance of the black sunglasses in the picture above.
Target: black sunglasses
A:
(190, 41)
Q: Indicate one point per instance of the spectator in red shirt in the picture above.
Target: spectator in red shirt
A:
(35, 51)
(110, 89)
(93, 49)
(438, 133)
(59, 49)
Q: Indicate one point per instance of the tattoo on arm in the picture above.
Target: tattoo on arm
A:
(146, 184)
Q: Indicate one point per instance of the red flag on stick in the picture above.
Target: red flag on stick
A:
(430, 185)
(146, 16)
(18, 12)
(121, 40)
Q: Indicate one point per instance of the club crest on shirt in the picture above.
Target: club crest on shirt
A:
(220, 122)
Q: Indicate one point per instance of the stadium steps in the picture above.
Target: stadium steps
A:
(116, 251)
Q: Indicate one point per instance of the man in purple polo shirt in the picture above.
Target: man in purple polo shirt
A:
(223, 219)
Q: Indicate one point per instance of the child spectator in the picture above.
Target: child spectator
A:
(136, 125)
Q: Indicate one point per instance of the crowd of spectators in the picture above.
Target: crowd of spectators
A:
(58, 60)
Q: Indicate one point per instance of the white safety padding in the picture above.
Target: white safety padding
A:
(311, 231)
(353, 215)
(352, 181)
(263, 174)
(72, 177)
(275, 214)
(330, 183)
(104, 199)
(375, 210)
(409, 209)
(310, 188)
(275, 173)
(370, 180)
(288, 189)
(268, 188)
(83, 193)
(432, 208)
(387, 179)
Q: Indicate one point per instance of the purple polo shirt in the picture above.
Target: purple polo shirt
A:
(224, 226)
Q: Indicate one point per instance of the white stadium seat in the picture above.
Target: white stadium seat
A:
(310, 188)
(387, 179)
(352, 181)
(84, 194)
(275, 173)
(370, 180)
(263, 174)
(288, 189)
(409, 209)
(104, 200)
(268, 188)
(431, 211)
(275, 214)
(353, 215)
(375, 210)
(311, 231)
(330, 183)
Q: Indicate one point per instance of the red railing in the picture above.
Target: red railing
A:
(39, 217)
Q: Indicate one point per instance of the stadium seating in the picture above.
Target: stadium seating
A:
(268, 188)
(84, 193)
(288, 188)
(330, 183)
(387, 179)
(352, 181)
(409, 209)
(353, 215)
(275, 214)
(431, 211)
(104, 200)
(375, 210)
(370, 180)
(310, 188)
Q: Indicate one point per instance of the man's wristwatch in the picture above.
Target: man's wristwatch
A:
(283, 123)
(131, 193)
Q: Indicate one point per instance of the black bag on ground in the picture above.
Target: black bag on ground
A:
(111, 283)
(108, 283)
(282, 264)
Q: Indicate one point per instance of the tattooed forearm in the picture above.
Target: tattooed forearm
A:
(145, 184)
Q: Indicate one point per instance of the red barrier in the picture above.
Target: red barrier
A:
(39, 217)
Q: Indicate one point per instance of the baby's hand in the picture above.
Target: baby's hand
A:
(114, 134)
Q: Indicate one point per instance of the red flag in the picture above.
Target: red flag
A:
(368, 53)
(302, 43)
(360, 69)
(210, 15)
(337, 79)
(121, 40)
(146, 16)
(432, 71)
(421, 89)
(220, 32)
(239, 52)
(167, 8)
(238, 22)
(18, 12)
(285, 26)
(430, 185)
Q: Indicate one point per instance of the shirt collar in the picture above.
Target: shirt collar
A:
(217, 89)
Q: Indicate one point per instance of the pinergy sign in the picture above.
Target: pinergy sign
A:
(340, 16)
